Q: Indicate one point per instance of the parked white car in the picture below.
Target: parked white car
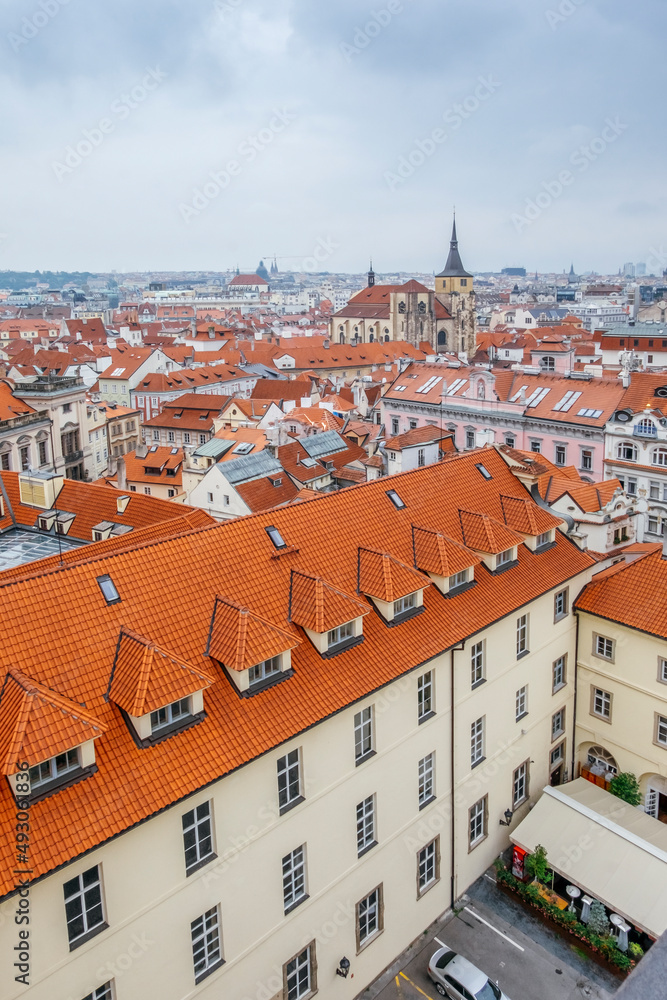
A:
(457, 978)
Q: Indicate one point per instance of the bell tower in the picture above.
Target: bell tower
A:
(454, 289)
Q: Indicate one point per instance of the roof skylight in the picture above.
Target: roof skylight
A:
(108, 588)
(483, 469)
(395, 499)
(275, 536)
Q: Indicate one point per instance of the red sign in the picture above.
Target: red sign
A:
(518, 857)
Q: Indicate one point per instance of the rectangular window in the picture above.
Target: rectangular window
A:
(477, 823)
(186, 437)
(412, 425)
(558, 674)
(5, 462)
(425, 696)
(363, 734)
(55, 767)
(601, 704)
(459, 579)
(470, 439)
(557, 724)
(101, 993)
(366, 825)
(426, 779)
(25, 459)
(405, 604)
(43, 457)
(522, 635)
(170, 715)
(654, 490)
(520, 785)
(536, 447)
(299, 975)
(156, 435)
(265, 670)
(586, 460)
(521, 703)
(504, 558)
(197, 837)
(394, 425)
(83, 906)
(557, 756)
(560, 454)
(477, 663)
(206, 945)
(653, 524)
(561, 605)
(661, 730)
(421, 457)
(603, 647)
(662, 669)
(543, 539)
(631, 486)
(294, 878)
(428, 866)
(477, 742)
(341, 634)
(289, 780)
(147, 490)
(171, 437)
(510, 440)
(369, 917)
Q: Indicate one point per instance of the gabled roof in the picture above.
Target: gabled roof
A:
(485, 534)
(36, 723)
(525, 516)
(145, 677)
(240, 639)
(439, 554)
(634, 595)
(387, 578)
(316, 605)
(418, 436)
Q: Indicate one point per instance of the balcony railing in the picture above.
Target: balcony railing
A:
(73, 456)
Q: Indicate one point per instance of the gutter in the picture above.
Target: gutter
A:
(537, 497)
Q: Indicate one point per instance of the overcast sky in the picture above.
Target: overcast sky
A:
(318, 120)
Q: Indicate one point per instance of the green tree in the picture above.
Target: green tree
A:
(536, 864)
(597, 920)
(626, 787)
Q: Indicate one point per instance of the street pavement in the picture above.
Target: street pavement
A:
(514, 949)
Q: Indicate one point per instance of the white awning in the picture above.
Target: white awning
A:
(611, 850)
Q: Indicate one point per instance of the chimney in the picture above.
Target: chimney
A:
(625, 378)
(121, 475)
(141, 450)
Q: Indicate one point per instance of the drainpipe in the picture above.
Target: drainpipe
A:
(537, 497)
(574, 704)
(452, 832)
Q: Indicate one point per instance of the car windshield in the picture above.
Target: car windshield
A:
(489, 991)
(445, 959)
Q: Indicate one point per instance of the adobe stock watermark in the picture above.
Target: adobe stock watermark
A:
(225, 8)
(454, 117)
(246, 152)
(364, 34)
(120, 109)
(36, 22)
(581, 158)
(324, 248)
(564, 10)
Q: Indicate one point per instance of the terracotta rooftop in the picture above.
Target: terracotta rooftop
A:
(388, 579)
(633, 594)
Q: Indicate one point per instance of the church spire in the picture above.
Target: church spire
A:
(371, 275)
(454, 267)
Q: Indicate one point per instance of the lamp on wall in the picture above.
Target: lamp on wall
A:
(508, 818)
(343, 967)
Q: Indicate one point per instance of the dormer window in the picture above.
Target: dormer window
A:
(54, 770)
(170, 715)
(504, 558)
(544, 539)
(460, 579)
(339, 635)
(265, 671)
(405, 604)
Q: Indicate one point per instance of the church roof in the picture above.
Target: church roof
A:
(454, 267)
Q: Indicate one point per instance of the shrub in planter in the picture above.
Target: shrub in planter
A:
(636, 951)
(536, 864)
(597, 920)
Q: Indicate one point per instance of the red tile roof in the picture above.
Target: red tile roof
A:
(484, 534)
(240, 639)
(388, 579)
(436, 553)
(525, 516)
(633, 594)
(421, 435)
(318, 606)
(264, 494)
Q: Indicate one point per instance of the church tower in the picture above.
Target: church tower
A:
(455, 291)
(371, 276)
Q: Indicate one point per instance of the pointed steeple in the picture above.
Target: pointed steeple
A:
(371, 275)
(454, 267)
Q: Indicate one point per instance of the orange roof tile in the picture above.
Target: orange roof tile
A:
(485, 534)
(318, 606)
(633, 595)
(436, 553)
(36, 723)
(145, 677)
(525, 516)
(240, 639)
(388, 579)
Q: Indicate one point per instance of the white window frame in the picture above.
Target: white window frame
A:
(197, 826)
(369, 917)
(604, 647)
(366, 837)
(477, 663)
(103, 992)
(520, 784)
(265, 670)
(54, 768)
(477, 740)
(428, 866)
(504, 558)
(662, 669)
(290, 787)
(364, 734)
(522, 625)
(425, 699)
(477, 823)
(337, 636)
(556, 733)
(459, 579)
(81, 894)
(601, 702)
(299, 980)
(521, 703)
(559, 666)
(206, 938)
(660, 730)
(562, 598)
(405, 604)
(426, 787)
(294, 878)
(175, 712)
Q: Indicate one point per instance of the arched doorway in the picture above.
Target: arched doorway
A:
(442, 338)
